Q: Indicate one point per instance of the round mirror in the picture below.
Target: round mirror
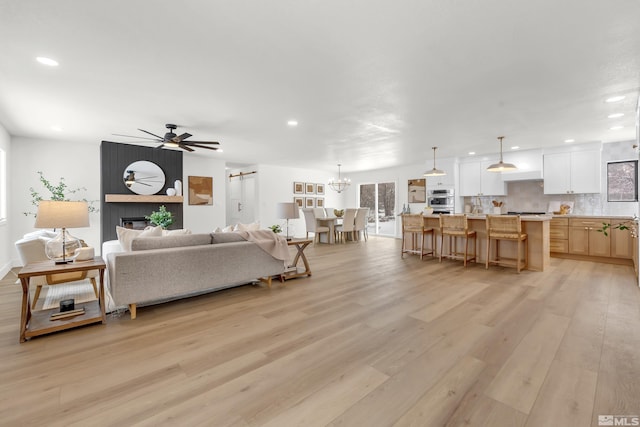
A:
(143, 177)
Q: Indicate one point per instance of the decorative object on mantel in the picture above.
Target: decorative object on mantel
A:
(200, 190)
(287, 210)
(434, 171)
(143, 177)
(340, 184)
(501, 166)
(62, 215)
(59, 192)
(178, 186)
(171, 191)
(163, 218)
(171, 140)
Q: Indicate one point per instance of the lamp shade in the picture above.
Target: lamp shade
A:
(287, 210)
(62, 214)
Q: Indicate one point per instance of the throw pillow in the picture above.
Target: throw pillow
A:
(218, 230)
(228, 229)
(175, 232)
(247, 227)
(126, 235)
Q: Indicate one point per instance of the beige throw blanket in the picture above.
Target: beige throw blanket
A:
(268, 241)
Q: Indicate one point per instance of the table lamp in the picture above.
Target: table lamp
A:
(62, 214)
(287, 211)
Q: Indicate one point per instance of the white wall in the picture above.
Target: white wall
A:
(77, 163)
(6, 243)
(201, 218)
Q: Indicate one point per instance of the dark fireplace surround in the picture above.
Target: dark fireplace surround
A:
(114, 158)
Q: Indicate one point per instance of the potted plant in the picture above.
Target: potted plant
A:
(163, 218)
(276, 228)
(59, 192)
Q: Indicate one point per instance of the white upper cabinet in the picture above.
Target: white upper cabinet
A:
(444, 181)
(572, 172)
(475, 180)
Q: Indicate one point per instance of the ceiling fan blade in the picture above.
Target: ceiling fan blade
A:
(132, 136)
(152, 134)
(161, 145)
(184, 147)
(180, 138)
(202, 142)
(204, 146)
(143, 183)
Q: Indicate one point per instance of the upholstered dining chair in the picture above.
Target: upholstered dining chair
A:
(31, 249)
(413, 227)
(455, 227)
(361, 223)
(506, 227)
(311, 223)
(348, 224)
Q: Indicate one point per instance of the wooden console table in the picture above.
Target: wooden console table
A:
(33, 323)
(293, 270)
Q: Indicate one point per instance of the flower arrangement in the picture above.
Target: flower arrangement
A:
(163, 218)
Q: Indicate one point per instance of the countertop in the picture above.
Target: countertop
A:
(484, 216)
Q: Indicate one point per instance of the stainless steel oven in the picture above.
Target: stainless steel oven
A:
(441, 200)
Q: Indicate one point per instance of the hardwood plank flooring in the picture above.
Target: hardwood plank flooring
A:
(370, 339)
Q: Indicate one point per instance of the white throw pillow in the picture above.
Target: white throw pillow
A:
(247, 227)
(218, 230)
(175, 232)
(228, 229)
(126, 235)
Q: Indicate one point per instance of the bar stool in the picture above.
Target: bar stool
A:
(413, 224)
(506, 227)
(456, 226)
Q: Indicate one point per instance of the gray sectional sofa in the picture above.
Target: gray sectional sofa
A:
(163, 268)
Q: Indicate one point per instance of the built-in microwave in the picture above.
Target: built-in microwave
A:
(441, 200)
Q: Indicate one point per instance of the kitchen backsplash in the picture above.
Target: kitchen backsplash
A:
(528, 196)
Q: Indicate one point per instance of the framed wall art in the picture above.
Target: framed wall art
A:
(320, 189)
(298, 188)
(319, 202)
(200, 190)
(299, 201)
(310, 188)
(309, 202)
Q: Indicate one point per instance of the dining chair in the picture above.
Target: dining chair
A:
(348, 224)
(455, 227)
(311, 223)
(361, 223)
(506, 227)
(413, 227)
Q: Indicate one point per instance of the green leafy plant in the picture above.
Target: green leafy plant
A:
(59, 192)
(631, 225)
(163, 218)
(276, 228)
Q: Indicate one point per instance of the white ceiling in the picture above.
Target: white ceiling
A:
(372, 83)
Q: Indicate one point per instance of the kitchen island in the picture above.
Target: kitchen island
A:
(536, 227)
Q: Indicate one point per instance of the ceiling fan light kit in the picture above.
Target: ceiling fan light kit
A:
(171, 140)
(501, 166)
(434, 171)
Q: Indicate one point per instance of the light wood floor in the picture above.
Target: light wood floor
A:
(369, 340)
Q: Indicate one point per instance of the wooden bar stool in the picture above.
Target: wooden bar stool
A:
(454, 227)
(506, 227)
(413, 225)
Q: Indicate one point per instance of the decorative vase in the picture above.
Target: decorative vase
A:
(178, 187)
(171, 191)
(338, 212)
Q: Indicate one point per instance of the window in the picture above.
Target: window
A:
(380, 198)
(3, 186)
(622, 181)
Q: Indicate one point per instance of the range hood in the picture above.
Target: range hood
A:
(535, 175)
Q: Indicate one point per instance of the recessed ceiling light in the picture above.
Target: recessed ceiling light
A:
(515, 147)
(472, 153)
(292, 123)
(568, 141)
(616, 127)
(47, 61)
(56, 128)
(615, 116)
(615, 98)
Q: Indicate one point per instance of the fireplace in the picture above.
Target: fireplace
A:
(134, 222)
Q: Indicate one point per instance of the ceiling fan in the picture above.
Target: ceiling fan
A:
(170, 139)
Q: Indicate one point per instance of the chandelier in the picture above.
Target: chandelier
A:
(501, 166)
(434, 171)
(340, 184)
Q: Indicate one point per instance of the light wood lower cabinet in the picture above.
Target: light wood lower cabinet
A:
(559, 235)
(585, 239)
(621, 242)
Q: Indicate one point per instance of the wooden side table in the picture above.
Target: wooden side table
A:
(293, 270)
(33, 323)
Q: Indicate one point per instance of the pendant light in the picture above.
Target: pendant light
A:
(434, 171)
(501, 166)
(340, 184)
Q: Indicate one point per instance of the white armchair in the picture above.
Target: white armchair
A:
(31, 249)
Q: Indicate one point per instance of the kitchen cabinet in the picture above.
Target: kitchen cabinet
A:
(475, 180)
(585, 239)
(572, 172)
(444, 181)
(621, 242)
(559, 235)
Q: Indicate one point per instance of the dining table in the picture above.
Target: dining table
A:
(331, 222)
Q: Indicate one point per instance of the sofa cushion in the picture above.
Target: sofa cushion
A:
(226, 238)
(126, 235)
(172, 241)
(175, 232)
